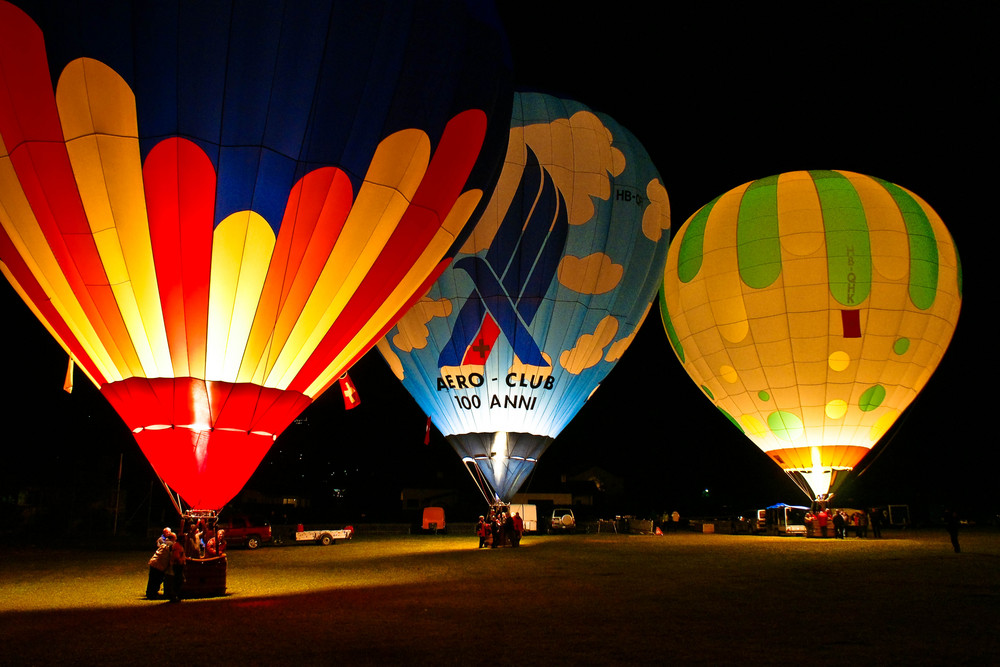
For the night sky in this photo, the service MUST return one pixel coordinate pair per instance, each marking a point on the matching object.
(719, 96)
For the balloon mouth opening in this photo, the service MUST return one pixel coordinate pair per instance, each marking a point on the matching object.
(201, 428)
(818, 483)
(487, 457)
(500, 461)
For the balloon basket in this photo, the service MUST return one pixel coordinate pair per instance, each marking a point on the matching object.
(205, 577)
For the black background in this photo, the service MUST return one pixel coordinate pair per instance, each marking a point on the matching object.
(720, 95)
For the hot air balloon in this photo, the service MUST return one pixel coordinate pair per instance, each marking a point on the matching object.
(543, 298)
(216, 208)
(811, 308)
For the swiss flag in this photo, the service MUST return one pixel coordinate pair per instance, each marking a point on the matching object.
(351, 398)
(481, 346)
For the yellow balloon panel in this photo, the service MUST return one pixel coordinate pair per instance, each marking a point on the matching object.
(811, 308)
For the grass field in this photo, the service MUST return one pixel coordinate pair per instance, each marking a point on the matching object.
(586, 599)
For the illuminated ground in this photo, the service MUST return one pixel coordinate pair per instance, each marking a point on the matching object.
(681, 598)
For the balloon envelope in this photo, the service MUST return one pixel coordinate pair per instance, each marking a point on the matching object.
(811, 308)
(545, 295)
(216, 208)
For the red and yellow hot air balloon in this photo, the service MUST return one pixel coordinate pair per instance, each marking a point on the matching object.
(216, 208)
(811, 308)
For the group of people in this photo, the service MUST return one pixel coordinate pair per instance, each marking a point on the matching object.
(166, 567)
(499, 528)
(841, 523)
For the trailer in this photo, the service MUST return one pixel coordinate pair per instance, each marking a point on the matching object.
(325, 537)
(432, 520)
(529, 516)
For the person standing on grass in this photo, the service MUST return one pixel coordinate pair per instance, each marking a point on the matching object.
(158, 566)
(875, 520)
(177, 561)
(481, 530)
(518, 530)
(951, 521)
(822, 518)
(496, 530)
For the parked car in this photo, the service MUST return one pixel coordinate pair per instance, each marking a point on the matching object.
(241, 530)
(563, 521)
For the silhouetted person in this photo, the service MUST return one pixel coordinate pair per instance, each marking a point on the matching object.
(875, 519)
(158, 566)
(951, 521)
(839, 525)
(482, 530)
(178, 558)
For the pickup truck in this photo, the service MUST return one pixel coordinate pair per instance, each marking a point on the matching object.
(326, 536)
(241, 531)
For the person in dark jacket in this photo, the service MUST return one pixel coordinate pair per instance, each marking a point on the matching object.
(158, 567)
(178, 558)
(951, 522)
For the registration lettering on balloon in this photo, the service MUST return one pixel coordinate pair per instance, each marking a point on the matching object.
(541, 301)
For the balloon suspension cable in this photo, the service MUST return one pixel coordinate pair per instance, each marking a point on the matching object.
(489, 495)
(802, 484)
(176, 502)
(890, 436)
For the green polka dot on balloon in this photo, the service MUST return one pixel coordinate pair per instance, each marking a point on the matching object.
(785, 425)
(872, 398)
(901, 346)
(708, 392)
(763, 395)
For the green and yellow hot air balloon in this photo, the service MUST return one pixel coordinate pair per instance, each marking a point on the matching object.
(811, 308)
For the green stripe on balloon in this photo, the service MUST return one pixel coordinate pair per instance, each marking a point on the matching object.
(675, 342)
(848, 248)
(757, 237)
(690, 254)
(923, 247)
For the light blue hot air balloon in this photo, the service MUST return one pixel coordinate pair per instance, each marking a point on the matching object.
(544, 297)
